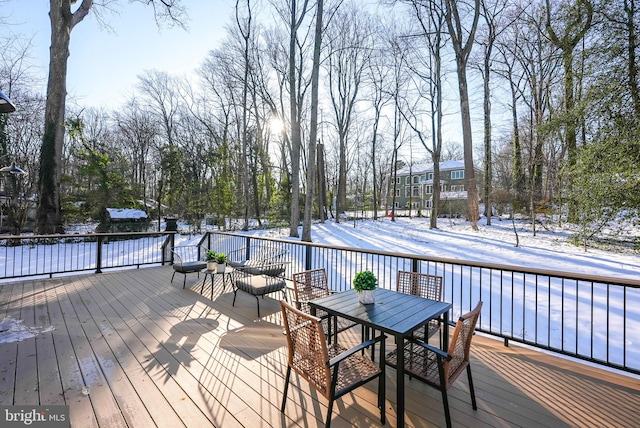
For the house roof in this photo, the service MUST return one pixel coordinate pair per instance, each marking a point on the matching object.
(418, 169)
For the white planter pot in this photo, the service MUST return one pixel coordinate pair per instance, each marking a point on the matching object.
(211, 265)
(367, 297)
(220, 267)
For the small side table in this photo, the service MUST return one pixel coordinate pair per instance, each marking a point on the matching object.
(228, 270)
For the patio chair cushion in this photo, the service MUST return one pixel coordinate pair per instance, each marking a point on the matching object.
(259, 285)
(190, 267)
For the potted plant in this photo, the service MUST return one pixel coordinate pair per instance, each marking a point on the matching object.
(221, 260)
(365, 283)
(212, 259)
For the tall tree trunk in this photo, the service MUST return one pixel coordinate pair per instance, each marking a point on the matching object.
(295, 120)
(49, 217)
(246, 33)
(374, 165)
(467, 138)
(462, 50)
(313, 131)
(487, 132)
(322, 184)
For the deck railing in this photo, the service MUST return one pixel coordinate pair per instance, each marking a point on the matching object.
(588, 317)
(48, 255)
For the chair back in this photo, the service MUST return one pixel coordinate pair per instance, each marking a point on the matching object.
(460, 345)
(188, 254)
(308, 354)
(420, 284)
(309, 285)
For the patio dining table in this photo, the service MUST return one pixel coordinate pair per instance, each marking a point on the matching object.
(393, 313)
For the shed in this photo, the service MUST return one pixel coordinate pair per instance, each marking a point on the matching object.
(124, 220)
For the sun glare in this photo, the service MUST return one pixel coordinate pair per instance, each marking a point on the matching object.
(277, 126)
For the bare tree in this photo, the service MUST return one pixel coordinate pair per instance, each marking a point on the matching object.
(137, 133)
(379, 74)
(245, 30)
(491, 12)
(313, 132)
(296, 97)
(349, 38)
(431, 17)
(507, 70)
(462, 42)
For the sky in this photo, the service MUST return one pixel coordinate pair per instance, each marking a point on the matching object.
(104, 64)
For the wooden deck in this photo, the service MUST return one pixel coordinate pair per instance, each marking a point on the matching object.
(131, 349)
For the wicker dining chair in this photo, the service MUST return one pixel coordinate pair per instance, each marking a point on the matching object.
(332, 370)
(423, 285)
(312, 284)
(438, 368)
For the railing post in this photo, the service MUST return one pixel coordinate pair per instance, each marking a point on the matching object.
(414, 265)
(99, 253)
(172, 245)
(247, 255)
(307, 257)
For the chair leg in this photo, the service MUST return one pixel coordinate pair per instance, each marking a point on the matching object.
(329, 411)
(445, 403)
(332, 395)
(172, 276)
(443, 390)
(286, 388)
(184, 281)
(471, 390)
(258, 302)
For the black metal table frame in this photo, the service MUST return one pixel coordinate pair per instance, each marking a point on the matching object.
(228, 270)
(394, 313)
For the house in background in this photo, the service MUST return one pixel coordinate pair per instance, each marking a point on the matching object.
(414, 188)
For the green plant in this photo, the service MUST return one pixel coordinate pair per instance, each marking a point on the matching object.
(365, 280)
(212, 256)
(221, 258)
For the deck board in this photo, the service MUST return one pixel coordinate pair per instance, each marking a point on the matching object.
(131, 349)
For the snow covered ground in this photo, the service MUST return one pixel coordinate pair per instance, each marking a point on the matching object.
(454, 238)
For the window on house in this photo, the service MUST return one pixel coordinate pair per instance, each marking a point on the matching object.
(457, 175)
(406, 192)
(397, 193)
(430, 176)
(428, 189)
(457, 188)
(416, 179)
(398, 180)
(415, 191)
(407, 180)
